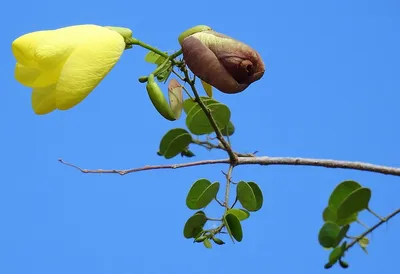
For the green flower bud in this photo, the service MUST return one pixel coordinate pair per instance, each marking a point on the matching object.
(158, 99)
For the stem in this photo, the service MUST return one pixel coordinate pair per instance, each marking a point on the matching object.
(209, 146)
(233, 158)
(219, 202)
(376, 215)
(214, 219)
(234, 203)
(227, 187)
(134, 41)
(362, 224)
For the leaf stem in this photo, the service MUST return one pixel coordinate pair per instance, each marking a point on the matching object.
(375, 214)
(362, 224)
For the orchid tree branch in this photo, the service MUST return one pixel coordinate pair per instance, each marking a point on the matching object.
(264, 160)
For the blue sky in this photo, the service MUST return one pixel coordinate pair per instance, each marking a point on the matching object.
(331, 90)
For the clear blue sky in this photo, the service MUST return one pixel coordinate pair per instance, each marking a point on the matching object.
(331, 90)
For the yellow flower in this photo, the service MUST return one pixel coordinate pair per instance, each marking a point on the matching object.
(63, 66)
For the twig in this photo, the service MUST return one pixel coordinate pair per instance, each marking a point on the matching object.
(384, 220)
(232, 157)
(209, 146)
(265, 160)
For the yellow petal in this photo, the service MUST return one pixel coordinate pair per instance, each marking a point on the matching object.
(46, 51)
(26, 75)
(24, 47)
(35, 78)
(44, 100)
(87, 65)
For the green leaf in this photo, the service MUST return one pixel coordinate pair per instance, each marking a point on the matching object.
(187, 153)
(342, 234)
(218, 241)
(343, 264)
(188, 104)
(335, 255)
(341, 192)
(194, 225)
(198, 123)
(345, 221)
(207, 243)
(174, 142)
(259, 196)
(233, 226)
(207, 88)
(201, 194)
(154, 58)
(357, 201)
(328, 234)
(329, 214)
(241, 214)
(200, 239)
(249, 195)
(228, 130)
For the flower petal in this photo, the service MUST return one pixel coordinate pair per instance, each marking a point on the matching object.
(88, 64)
(34, 77)
(221, 61)
(205, 65)
(43, 53)
(44, 100)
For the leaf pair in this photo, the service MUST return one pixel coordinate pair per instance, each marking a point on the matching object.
(201, 194)
(174, 142)
(346, 201)
(197, 121)
(194, 225)
(249, 195)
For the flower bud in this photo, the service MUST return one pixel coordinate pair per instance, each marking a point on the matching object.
(219, 60)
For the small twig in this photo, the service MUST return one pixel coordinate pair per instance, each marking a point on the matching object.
(362, 224)
(375, 214)
(233, 158)
(384, 220)
(265, 160)
(219, 202)
(214, 219)
(208, 145)
(178, 75)
(234, 203)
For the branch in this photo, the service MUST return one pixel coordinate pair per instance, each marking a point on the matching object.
(265, 160)
(384, 220)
